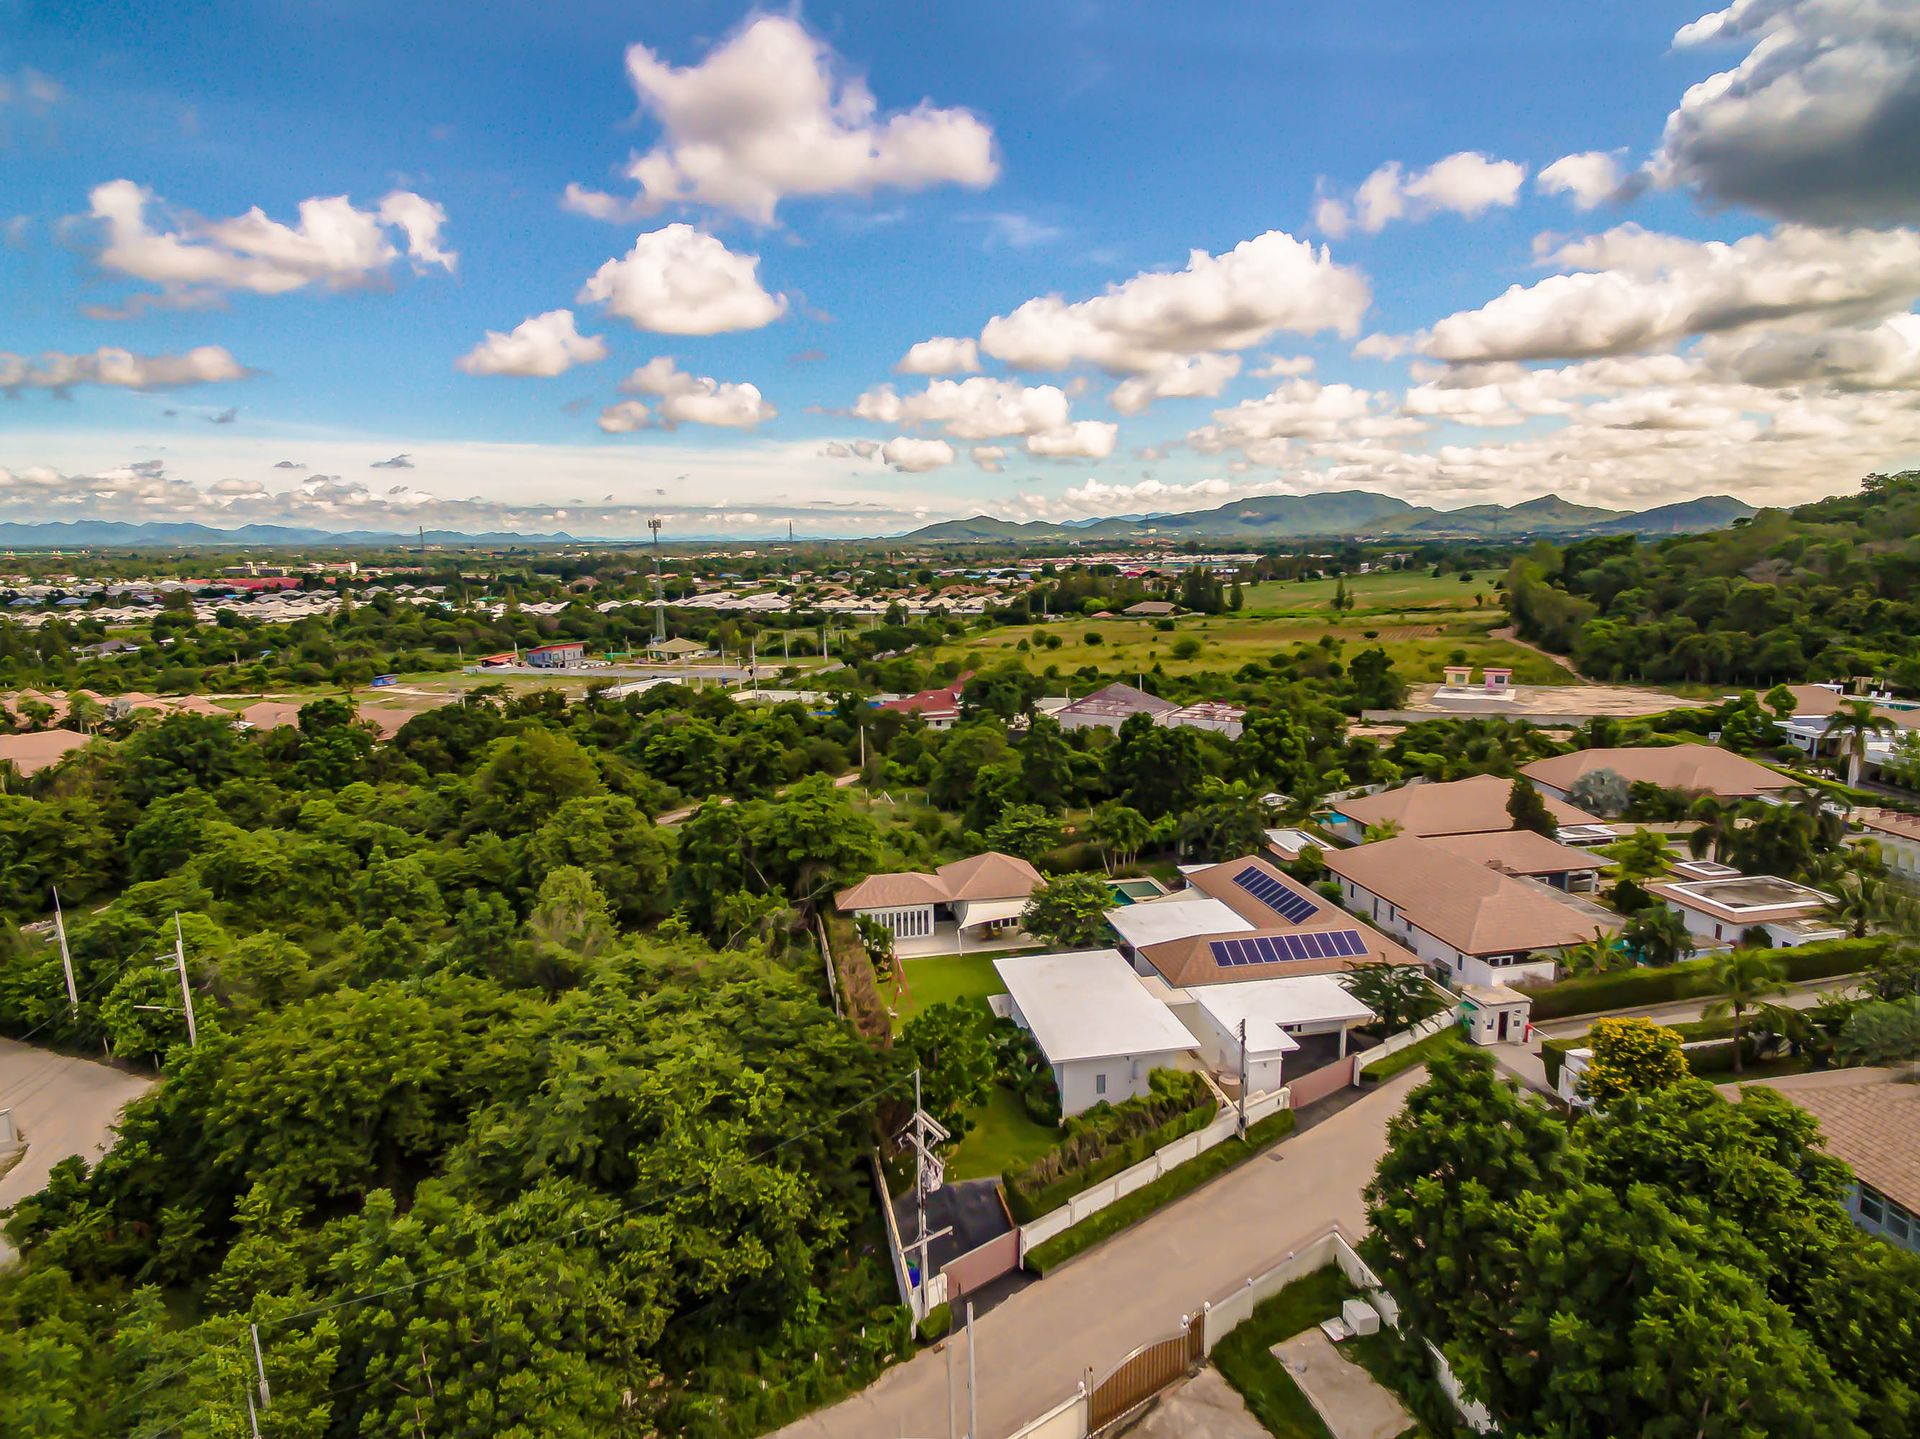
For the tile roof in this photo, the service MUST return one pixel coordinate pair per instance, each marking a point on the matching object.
(1520, 851)
(1869, 1120)
(1889, 821)
(31, 753)
(984, 876)
(1819, 700)
(1680, 766)
(1475, 909)
(1462, 806)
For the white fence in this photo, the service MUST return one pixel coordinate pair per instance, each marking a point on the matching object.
(1225, 1126)
(1393, 1043)
(1219, 1317)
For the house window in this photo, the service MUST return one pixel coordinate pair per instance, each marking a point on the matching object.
(1099, 1084)
(1870, 1205)
(1717, 934)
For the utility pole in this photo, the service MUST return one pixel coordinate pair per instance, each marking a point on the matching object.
(659, 592)
(186, 994)
(66, 955)
(924, 1131)
(1243, 1079)
(973, 1395)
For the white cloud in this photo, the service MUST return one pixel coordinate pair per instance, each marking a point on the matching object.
(1590, 179)
(334, 246)
(1816, 123)
(914, 455)
(1885, 356)
(54, 370)
(1635, 290)
(1285, 367)
(770, 113)
(1301, 409)
(980, 408)
(1081, 440)
(1184, 378)
(1095, 497)
(696, 400)
(682, 281)
(990, 458)
(1160, 320)
(851, 449)
(544, 346)
(625, 418)
(1466, 183)
(942, 355)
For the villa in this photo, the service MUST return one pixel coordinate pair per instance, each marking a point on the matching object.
(977, 901)
(1696, 768)
(1722, 910)
(1463, 806)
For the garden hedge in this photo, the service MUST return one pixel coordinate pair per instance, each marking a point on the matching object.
(1635, 988)
(1105, 1140)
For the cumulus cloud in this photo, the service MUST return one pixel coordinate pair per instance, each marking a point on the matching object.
(625, 418)
(396, 462)
(991, 458)
(1636, 290)
(915, 455)
(1160, 320)
(1080, 440)
(1096, 497)
(1285, 367)
(122, 369)
(942, 355)
(980, 408)
(1816, 123)
(696, 400)
(1885, 356)
(1264, 429)
(1590, 179)
(543, 346)
(335, 246)
(1466, 183)
(850, 449)
(770, 113)
(682, 281)
(1179, 379)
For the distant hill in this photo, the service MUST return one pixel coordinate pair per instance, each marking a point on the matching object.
(1687, 517)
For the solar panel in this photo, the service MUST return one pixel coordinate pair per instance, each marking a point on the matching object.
(1290, 905)
(1279, 948)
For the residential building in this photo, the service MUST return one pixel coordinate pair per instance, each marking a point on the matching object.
(1898, 836)
(1287, 845)
(1494, 1013)
(562, 655)
(1697, 768)
(1100, 1030)
(1531, 854)
(1278, 1014)
(31, 753)
(1814, 707)
(1215, 715)
(269, 714)
(1149, 610)
(1462, 806)
(1722, 910)
(676, 649)
(940, 707)
(1473, 924)
(977, 901)
(1112, 706)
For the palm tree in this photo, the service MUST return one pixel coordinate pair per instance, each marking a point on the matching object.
(1659, 936)
(1859, 901)
(1743, 978)
(1374, 833)
(1852, 728)
(1591, 956)
(1811, 805)
(1716, 821)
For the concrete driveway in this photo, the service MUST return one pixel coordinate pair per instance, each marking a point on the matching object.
(1036, 1346)
(62, 1107)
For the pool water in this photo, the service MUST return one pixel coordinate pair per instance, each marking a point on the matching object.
(1130, 891)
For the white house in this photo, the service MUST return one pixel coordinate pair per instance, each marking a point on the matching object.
(1277, 1013)
(1473, 924)
(1722, 910)
(1099, 1028)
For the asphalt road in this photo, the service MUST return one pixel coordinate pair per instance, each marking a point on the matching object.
(1037, 1345)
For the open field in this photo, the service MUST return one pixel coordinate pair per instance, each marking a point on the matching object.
(1385, 590)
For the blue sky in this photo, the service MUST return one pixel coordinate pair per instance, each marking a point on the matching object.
(952, 167)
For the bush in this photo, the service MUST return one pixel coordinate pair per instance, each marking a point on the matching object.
(936, 1325)
(1634, 988)
(859, 989)
(1420, 1052)
(1108, 1138)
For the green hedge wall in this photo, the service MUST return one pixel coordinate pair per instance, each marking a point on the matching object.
(1035, 1189)
(1633, 988)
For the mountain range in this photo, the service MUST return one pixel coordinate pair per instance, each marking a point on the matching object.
(1358, 514)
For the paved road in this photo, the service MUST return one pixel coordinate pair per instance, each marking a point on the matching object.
(62, 1107)
(1038, 1344)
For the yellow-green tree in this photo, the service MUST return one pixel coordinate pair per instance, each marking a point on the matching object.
(1631, 1056)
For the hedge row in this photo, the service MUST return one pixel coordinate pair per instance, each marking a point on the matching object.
(1419, 1052)
(1106, 1139)
(1177, 1182)
(1634, 988)
(859, 988)
(1715, 1059)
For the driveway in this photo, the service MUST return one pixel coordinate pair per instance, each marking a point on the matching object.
(62, 1107)
(1036, 1346)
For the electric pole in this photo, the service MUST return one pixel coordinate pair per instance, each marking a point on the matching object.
(186, 994)
(923, 1132)
(66, 955)
(1243, 1079)
(659, 592)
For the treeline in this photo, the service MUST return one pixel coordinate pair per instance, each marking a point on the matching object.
(1822, 592)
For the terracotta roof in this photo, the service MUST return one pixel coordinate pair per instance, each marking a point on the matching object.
(1680, 766)
(1869, 1120)
(1520, 851)
(31, 753)
(984, 876)
(1462, 806)
(1475, 909)
(1889, 821)
(271, 714)
(943, 700)
(1819, 700)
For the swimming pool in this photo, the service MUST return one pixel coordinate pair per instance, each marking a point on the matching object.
(1131, 891)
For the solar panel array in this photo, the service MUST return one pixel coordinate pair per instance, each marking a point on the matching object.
(1277, 948)
(1290, 905)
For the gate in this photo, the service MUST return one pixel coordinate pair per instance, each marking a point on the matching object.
(1143, 1374)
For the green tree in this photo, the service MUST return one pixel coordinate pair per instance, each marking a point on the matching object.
(1400, 995)
(1743, 978)
(1600, 791)
(952, 1042)
(1527, 808)
(1120, 831)
(1223, 820)
(1851, 730)
(1070, 912)
(1026, 830)
(1631, 1056)
(1657, 935)
(1883, 1032)
(611, 838)
(526, 777)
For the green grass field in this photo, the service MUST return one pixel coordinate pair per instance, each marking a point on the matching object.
(1384, 591)
(1002, 1137)
(940, 978)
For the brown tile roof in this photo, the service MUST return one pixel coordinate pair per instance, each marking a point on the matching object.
(891, 891)
(31, 753)
(1680, 766)
(1475, 909)
(1889, 821)
(1819, 700)
(1183, 962)
(984, 876)
(1520, 851)
(271, 714)
(1870, 1121)
(1462, 806)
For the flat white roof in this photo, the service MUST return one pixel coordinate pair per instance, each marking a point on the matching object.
(1269, 1004)
(1178, 916)
(1089, 1004)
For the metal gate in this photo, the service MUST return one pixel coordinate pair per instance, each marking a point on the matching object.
(1143, 1374)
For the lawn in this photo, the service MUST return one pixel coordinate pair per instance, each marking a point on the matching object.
(1001, 1138)
(1242, 1356)
(1386, 590)
(940, 978)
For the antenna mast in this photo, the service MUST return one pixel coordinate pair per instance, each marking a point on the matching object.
(659, 593)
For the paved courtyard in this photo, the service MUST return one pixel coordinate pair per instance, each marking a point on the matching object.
(1347, 1398)
(1205, 1404)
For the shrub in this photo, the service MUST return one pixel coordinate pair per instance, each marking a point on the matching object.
(936, 1325)
(1108, 1138)
(1636, 987)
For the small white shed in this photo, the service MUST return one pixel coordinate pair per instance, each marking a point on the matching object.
(1494, 1013)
